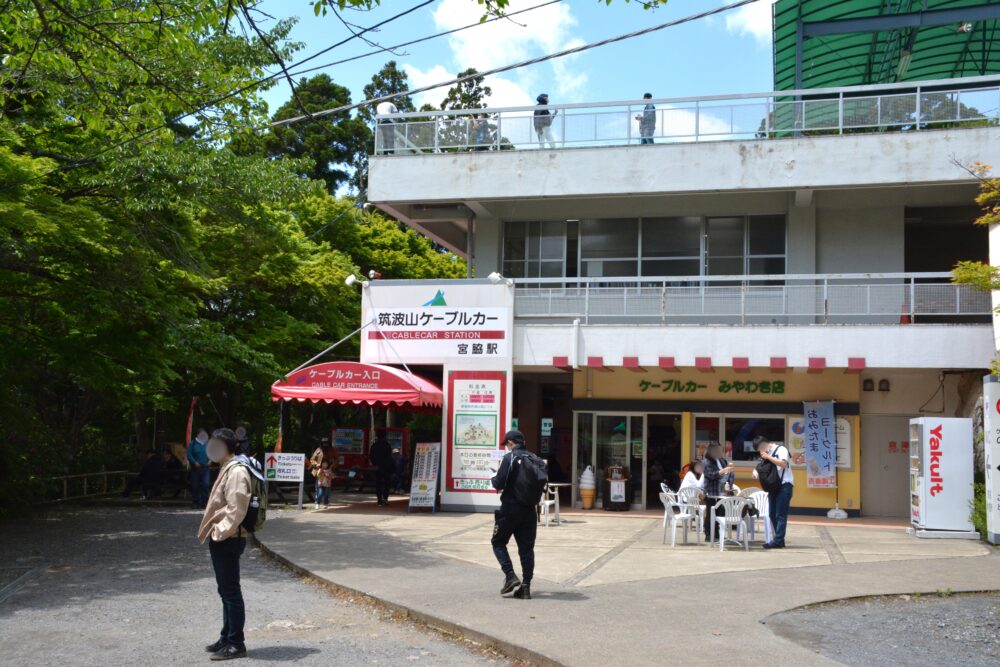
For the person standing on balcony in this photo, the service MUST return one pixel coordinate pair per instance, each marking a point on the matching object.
(647, 121)
(543, 121)
(387, 133)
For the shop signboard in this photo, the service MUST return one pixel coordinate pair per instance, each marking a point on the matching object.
(477, 413)
(797, 443)
(991, 445)
(820, 439)
(436, 323)
(424, 478)
(281, 467)
(546, 426)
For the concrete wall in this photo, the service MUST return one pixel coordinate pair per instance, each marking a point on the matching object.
(861, 160)
(859, 240)
(893, 346)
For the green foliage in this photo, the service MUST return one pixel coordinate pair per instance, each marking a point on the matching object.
(470, 94)
(978, 515)
(143, 260)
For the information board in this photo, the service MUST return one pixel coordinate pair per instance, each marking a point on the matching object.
(424, 478)
(349, 440)
(476, 414)
(281, 467)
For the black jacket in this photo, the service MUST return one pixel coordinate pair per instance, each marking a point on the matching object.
(381, 456)
(501, 481)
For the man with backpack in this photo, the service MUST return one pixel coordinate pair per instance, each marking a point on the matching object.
(774, 472)
(521, 479)
(235, 507)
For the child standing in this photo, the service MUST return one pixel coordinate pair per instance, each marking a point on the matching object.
(324, 480)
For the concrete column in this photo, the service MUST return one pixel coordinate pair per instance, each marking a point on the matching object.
(488, 246)
(801, 250)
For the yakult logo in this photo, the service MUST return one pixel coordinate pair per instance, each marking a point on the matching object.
(935, 468)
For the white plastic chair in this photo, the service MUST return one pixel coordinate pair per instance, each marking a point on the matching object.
(748, 492)
(550, 500)
(690, 498)
(732, 518)
(674, 517)
(762, 501)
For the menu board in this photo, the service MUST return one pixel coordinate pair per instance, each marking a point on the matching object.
(426, 465)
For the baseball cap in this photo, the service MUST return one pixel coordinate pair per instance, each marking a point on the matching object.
(514, 436)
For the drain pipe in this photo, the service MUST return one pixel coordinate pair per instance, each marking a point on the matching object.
(574, 345)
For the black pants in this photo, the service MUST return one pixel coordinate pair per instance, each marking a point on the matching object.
(521, 522)
(382, 479)
(226, 562)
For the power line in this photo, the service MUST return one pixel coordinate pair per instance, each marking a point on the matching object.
(518, 65)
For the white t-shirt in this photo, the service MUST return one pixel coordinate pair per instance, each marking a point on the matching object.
(781, 452)
(691, 480)
(386, 108)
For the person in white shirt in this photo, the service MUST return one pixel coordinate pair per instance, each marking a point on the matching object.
(694, 476)
(386, 131)
(778, 501)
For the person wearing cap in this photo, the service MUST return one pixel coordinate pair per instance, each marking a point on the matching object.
(543, 121)
(221, 526)
(516, 519)
(647, 121)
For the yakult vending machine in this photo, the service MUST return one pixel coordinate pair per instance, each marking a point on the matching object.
(941, 477)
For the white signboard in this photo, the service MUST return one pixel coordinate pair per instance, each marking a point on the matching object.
(426, 466)
(546, 426)
(284, 467)
(437, 323)
(991, 444)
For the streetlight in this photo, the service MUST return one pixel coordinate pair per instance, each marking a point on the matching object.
(498, 279)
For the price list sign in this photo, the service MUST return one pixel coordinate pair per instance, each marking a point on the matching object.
(426, 466)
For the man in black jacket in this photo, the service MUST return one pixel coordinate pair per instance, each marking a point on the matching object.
(381, 458)
(515, 517)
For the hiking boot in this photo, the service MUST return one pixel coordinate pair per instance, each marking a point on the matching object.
(524, 592)
(217, 646)
(510, 583)
(229, 652)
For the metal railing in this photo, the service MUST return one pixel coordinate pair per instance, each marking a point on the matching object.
(972, 101)
(860, 298)
(83, 485)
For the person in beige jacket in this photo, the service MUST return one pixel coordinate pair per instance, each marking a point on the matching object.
(226, 509)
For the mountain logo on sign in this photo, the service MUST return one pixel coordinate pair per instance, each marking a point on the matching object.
(438, 300)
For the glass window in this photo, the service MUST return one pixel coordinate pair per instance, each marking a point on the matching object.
(552, 240)
(609, 238)
(671, 267)
(513, 269)
(766, 265)
(740, 432)
(725, 266)
(671, 237)
(766, 234)
(706, 431)
(514, 236)
(725, 237)
(584, 441)
(607, 269)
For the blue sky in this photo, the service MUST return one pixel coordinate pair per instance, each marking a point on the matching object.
(728, 53)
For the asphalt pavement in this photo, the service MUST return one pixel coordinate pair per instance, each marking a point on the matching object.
(128, 586)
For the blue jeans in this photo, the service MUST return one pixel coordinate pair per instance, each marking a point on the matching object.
(323, 495)
(226, 563)
(778, 502)
(201, 482)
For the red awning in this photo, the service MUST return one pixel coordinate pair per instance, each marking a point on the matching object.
(356, 383)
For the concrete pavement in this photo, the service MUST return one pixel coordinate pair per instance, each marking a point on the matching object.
(607, 591)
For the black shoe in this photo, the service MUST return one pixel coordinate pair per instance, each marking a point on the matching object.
(510, 583)
(774, 545)
(217, 646)
(524, 592)
(229, 652)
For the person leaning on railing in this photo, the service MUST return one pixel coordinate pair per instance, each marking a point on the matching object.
(543, 121)
(386, 131)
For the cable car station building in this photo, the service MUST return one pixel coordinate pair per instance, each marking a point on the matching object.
(767, 249)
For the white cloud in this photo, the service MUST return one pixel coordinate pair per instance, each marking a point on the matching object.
(504, 42)
(752, 20)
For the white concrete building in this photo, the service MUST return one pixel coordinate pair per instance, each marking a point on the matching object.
(799, 241)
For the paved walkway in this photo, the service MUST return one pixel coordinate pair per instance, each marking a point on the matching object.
(608, 591)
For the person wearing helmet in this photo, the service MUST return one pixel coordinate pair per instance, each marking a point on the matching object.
(514, 518)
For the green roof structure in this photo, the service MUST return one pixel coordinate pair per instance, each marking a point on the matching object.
(833, 43)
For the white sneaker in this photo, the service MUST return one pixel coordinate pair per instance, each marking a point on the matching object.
(317, 505)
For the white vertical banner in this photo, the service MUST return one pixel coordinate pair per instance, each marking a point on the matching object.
(991, 450)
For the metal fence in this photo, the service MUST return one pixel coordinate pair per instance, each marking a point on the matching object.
(973, 101)
(890, 298)
(75, 487)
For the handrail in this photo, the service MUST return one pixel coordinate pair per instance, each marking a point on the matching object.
(965, 83)
(786, 277)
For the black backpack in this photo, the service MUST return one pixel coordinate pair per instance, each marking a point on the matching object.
(530, 477)
(770, 476)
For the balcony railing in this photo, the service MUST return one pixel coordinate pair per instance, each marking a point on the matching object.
(973, 101)
(861, 298)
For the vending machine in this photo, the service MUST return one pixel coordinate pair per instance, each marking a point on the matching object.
(941, 477)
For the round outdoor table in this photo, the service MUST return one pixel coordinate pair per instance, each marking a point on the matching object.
(714, 500)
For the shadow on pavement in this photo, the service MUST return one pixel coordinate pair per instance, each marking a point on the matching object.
(281, 653)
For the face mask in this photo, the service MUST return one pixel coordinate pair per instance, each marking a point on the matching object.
(216, 451)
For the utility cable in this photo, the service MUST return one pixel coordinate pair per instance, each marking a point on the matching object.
(518, 65)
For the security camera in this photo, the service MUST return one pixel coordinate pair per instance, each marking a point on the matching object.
(498, 279)
(350, 280)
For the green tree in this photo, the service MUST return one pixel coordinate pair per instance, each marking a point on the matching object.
(470, 94)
